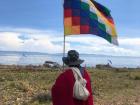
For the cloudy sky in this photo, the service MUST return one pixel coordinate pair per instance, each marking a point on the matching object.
(37, 26)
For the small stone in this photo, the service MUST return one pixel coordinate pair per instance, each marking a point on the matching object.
(18, 99)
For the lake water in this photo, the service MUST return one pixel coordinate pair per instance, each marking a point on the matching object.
(90, 60)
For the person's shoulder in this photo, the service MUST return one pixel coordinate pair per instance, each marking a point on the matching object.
(86, 72)
(67, 71)
(85, 69)
(64, 76)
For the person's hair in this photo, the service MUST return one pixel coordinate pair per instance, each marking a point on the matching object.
(78, 66)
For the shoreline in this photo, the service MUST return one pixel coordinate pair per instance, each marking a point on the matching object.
(31, 67)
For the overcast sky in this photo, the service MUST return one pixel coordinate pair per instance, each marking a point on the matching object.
(37, 25)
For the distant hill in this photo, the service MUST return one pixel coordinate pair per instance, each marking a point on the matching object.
(21, 53)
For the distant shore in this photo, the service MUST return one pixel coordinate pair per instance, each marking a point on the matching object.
(91, 60)
(60, 67)
(25, 67)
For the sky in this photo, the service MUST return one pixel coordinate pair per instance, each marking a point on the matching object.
(37, 26)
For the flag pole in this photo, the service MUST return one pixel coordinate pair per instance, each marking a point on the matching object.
(64, 40)
(64, 46)
(64, 50)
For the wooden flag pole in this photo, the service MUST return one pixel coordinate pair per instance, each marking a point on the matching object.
(64, 37)
(64, 50)
(64, 46)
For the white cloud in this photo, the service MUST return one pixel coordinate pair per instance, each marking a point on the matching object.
(100, 46)
(39, 41)
(10, 41)
(41, 45)
(52, 42)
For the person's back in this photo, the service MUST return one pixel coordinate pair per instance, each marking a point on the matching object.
(62, 90)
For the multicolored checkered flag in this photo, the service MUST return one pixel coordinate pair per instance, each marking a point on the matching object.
(88, 17)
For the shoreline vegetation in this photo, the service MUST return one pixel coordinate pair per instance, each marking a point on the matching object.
(31, 85)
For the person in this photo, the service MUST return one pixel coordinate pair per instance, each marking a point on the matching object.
(62, 90)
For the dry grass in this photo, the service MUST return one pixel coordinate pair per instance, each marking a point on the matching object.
(110, 87)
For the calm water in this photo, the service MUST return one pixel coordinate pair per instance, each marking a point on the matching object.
(90, 60)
